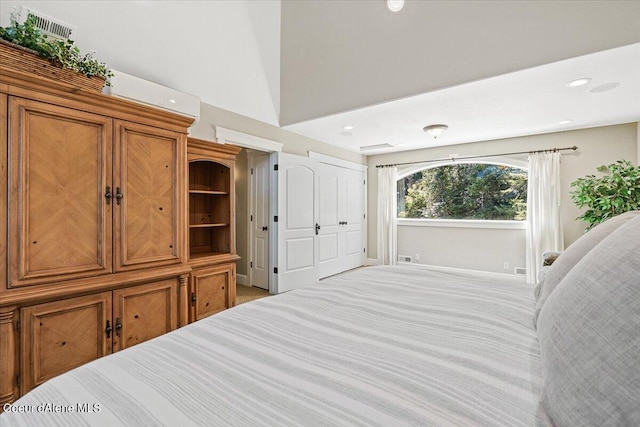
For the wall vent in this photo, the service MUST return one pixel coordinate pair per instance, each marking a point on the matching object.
(404, 258)
(520, 270)
(49, 26)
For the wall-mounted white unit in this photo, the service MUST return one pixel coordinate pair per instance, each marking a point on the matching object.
(139, 90)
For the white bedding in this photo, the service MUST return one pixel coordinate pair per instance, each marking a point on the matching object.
(384, 346)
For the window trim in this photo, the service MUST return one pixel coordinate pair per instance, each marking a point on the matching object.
(462, 223)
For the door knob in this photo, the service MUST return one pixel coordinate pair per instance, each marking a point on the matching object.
(317, 228)
(264, 228)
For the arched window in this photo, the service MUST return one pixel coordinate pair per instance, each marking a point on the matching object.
(464, 191)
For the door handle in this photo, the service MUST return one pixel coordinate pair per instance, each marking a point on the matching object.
(317, 228)
(118, 326)
(108, 329)
(119, 195)
(264, 228)
(108, 195)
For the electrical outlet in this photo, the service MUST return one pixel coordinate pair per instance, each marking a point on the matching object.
(506, 265)
(417, 257)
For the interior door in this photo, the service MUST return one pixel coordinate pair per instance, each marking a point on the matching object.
(259, 221)
(331, 201)
(353, 218)
(298, 256)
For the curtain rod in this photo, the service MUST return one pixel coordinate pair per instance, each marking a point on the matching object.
(453, 159)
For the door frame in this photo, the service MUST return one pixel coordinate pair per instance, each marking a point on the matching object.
(252, 142)
(251, 154)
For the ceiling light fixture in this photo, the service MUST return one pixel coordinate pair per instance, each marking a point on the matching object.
(347, 127)
(435, 130)
(564, 122)
(578, 82)
(395, 5)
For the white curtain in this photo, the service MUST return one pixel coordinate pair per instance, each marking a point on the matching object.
(544, 226)
(386, 227)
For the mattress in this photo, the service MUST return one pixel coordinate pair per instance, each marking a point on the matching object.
(379, 346)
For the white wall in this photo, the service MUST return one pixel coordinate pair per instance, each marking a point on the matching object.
(597, 146)
(481, 249)
(225, 52)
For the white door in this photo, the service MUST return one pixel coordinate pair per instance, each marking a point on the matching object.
(331, 202)
(353, 222)
(259, 221)
(341, 204)
(298, 226)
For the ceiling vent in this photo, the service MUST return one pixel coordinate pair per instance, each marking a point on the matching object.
(375, 147)
(49, 26)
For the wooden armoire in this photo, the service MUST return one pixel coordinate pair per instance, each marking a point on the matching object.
(98, 238)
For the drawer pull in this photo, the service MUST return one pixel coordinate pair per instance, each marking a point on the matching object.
(108, 329)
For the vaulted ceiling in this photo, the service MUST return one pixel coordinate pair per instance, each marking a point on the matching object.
(489, 69)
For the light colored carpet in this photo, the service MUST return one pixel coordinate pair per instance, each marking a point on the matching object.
(249, 293)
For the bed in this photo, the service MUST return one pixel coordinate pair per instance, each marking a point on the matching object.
(382, 346)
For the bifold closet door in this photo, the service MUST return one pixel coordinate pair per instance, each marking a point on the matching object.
(341, 206)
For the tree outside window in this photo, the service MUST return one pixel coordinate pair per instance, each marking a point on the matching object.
(464, 191)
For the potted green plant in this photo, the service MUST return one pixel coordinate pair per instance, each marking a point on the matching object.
(615, 192)
(30, 45)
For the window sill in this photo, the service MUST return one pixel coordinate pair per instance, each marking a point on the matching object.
(462, 223)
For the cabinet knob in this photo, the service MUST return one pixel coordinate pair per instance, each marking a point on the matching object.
(108, 329)
(193, 298)
(119, 195)
(118, 326)
(108, 195)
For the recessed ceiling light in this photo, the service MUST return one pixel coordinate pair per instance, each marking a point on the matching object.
(395, 5)
(347, 127)
(173, 101)
(578, 82)
(564, 122)
(605, 87)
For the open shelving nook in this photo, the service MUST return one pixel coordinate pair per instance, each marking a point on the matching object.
(209, 209)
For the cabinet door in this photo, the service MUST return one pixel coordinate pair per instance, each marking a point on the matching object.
(148, 197)
(62, 335)
(144, 312)
(59, 172)
(212, 290)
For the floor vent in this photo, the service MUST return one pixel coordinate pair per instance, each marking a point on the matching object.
(49, 26)
(520, 270)
(404, 258)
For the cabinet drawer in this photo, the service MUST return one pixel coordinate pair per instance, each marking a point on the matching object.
(62, 335)
(144, 312)
(213, 290)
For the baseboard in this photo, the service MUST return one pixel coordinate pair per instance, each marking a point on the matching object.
(371, 261)
(241, 279)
